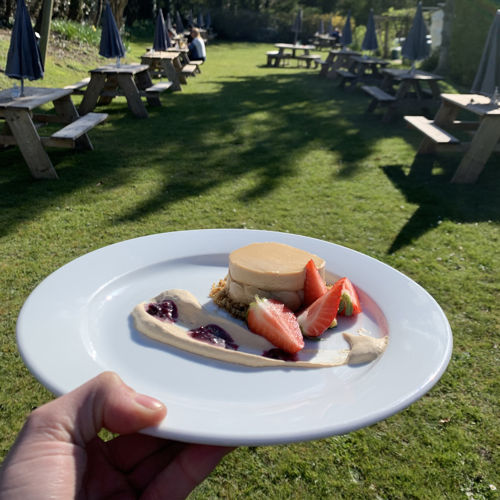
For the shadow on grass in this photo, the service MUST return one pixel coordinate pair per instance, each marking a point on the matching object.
(196, 141)
(428, 185)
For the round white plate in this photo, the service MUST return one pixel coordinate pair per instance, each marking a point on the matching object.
(77, 323)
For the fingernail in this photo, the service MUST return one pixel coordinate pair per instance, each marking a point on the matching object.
(148, 402)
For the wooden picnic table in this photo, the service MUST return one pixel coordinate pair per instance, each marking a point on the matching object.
(165, 63)
(22, 122)
(485, 132)
(336, 59)
(325, 40)
(402, 89)
(367, 68)
(132, 81)
(290, 51)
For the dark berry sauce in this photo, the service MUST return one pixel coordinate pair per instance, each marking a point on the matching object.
(165, 310)
(276, 353)
(213, 334)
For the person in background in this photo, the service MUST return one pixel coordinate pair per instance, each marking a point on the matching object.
(58, 453)
(197, 51)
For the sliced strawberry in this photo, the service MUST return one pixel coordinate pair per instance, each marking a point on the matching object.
(314, 285)
(320, 315)
(349, 300)
(275, 322)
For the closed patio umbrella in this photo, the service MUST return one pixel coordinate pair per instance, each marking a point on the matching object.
(168, 22)
(416, 47)
(23, 58)
(488, 73)
(370, 40)
(346, 31)
(201, 23)
(111, 43)
(321, 29)
(297, 25)
(161, 40)
(178, 22)
(208, 20)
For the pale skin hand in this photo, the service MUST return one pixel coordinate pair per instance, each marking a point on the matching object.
(58, 454)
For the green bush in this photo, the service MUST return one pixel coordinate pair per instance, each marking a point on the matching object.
(84, 33)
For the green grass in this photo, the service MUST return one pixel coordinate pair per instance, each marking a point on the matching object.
(245, 146)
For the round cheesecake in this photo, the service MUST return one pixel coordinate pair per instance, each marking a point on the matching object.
(272, 270)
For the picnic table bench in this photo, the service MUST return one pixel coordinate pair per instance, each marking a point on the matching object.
(404, 90)
(485, 132)
(24, 120)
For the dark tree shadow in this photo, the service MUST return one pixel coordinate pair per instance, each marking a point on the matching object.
(427, 184)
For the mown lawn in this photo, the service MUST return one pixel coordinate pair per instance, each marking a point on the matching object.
(246, 146)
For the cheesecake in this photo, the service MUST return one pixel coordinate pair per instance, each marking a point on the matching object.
(268, 269)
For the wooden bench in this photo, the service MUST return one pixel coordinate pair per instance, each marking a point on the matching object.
(378, 95)
(156, 89)
(346, 77)
(432, 132)
(272, 57)
(197, 63)
(77, 87)
(68, 135)
(189, 69)
(310, 58)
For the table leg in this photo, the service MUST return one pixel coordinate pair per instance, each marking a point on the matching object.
(143, 81)
(178, 68)
(127, 84)
(66, 110)
(30, 144)
(482, 145)
(92, 93)
(168, 68)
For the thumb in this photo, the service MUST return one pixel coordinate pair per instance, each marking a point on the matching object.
(103, 402)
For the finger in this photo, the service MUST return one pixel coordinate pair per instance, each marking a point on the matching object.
(193, 464)
(105, 401)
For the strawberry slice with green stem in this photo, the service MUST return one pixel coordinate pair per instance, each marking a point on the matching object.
(349, 300)
(275, 322)
(321, 314)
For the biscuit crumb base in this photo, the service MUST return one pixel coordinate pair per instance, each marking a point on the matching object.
(219, 295)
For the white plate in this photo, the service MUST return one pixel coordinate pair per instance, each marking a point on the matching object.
(77, 323)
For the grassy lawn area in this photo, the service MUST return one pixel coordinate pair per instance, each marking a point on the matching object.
(246, 146)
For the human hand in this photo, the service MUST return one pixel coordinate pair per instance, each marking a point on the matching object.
(58, 454)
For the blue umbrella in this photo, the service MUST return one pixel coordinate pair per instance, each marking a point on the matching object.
(208, 20)
(416, 47)
(178, 22)
(169, 22)
(346, 31)
(190, 19)
(370, 40)
(161, 40)
(487, 78)
(23, 59)
(200, 20)
(297, 25)
(111, 43)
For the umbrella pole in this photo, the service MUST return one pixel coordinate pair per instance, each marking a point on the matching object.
(117, 62)
(22, 87)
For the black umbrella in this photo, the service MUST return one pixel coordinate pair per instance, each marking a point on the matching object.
(208, 20)
(201, 23)
(297, 25)
(161, 40)
(416, 47)
(23, 59)
(111, 43)
(370, 40)
(487, 78)
(346, 31)
(178, 22)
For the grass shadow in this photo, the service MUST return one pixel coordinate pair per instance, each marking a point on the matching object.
(427, 184)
